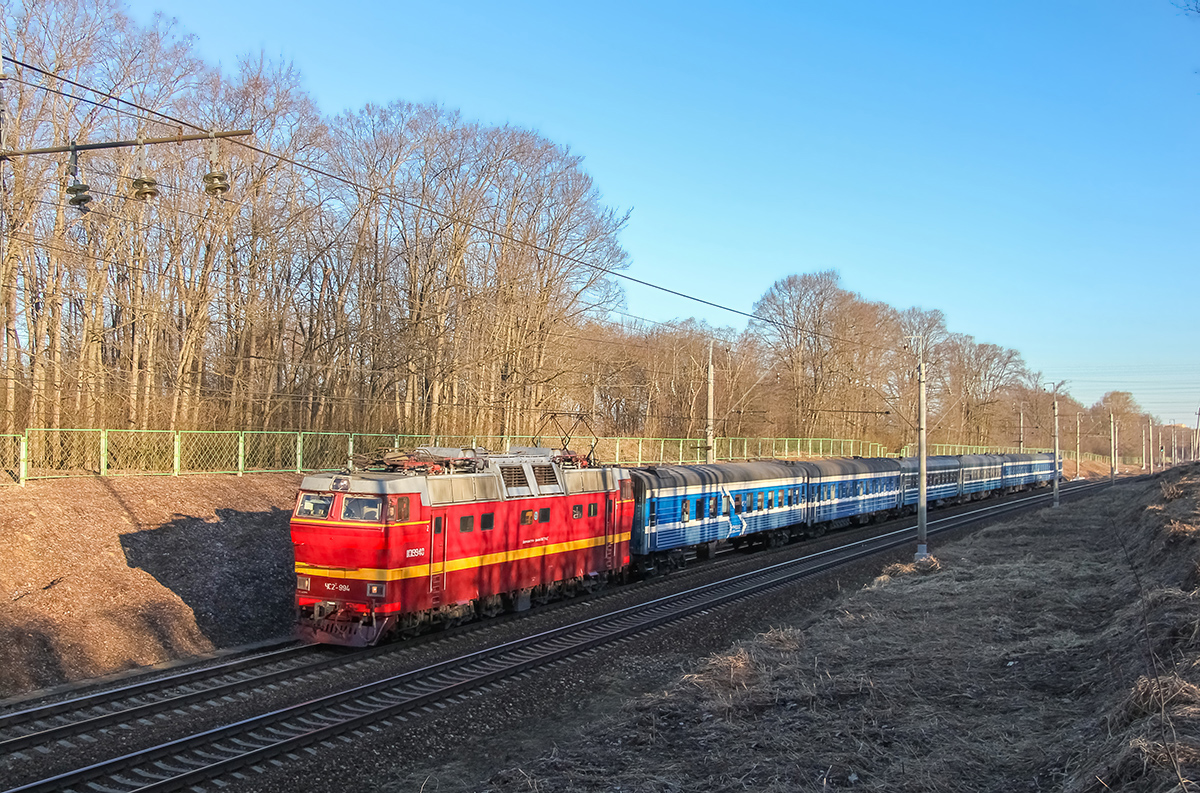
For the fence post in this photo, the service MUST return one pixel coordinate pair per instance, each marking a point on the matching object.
(103, 452)
(350, 451)
(23, 472)
(177, 454)
(299, 452)
(241, 453)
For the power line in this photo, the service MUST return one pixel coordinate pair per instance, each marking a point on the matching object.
(467, 223)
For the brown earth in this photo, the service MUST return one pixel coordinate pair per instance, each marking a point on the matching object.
(104, 575)
(1060, 651)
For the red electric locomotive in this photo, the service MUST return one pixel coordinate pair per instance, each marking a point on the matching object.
(441, 535)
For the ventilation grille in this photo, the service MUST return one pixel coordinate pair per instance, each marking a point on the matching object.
(514, 476)
(544, 475)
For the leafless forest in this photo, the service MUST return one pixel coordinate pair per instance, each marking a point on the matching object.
(400, 269)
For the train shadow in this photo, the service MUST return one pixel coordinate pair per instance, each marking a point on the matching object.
(236, 573)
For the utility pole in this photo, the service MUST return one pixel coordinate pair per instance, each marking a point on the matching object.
(1021, 437)
(922, 468)
(1112, 448)
(1150, 442)
(1056, 449)
(1078, 456)
(1143, 450)
(710, 451)
(1174, 455)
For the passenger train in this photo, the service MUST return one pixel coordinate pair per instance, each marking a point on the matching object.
(443, 535)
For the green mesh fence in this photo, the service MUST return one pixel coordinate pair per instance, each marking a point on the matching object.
(54, 453)
(324, 451)
(73, 452)
(140, 452)
(10, 459)
(209, 452)
(266, 452)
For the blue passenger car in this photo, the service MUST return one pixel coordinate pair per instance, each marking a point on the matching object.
(693, 506)
(981, 473)
(849, 488)
(941, 478)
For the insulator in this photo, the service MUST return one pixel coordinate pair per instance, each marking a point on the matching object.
(79, 195)
(144, 187)
(216, 183)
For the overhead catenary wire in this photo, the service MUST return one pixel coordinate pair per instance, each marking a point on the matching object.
(464, 222)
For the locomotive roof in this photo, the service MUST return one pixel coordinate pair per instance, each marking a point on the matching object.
(364, 482)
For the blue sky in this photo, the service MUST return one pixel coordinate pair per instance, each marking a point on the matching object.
(1032, 169)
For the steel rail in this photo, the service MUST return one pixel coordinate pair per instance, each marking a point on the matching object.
(212, 753)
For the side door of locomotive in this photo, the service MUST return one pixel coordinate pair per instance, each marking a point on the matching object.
(437, 555)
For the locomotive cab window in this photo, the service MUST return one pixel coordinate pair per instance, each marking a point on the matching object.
(398, 509)
(592, 510)
(362, 508)
(437, 525)
(526, 517)
(486, 521)
(544, 515)
(466, 523)
(313, 505)
(577, 511)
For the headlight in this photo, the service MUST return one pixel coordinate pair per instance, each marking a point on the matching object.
(303, 582)
(375, 590)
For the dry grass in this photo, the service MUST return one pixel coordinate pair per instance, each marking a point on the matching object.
(1055, 653)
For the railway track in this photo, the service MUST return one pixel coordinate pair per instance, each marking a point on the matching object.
(273, 738)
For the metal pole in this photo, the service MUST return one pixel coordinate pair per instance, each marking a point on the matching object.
(1143, 449)
(1056, 451)
(1112, 448)
(922, 485)
(1150, 442)
(1078, 456)
(1021, 437)
(123, 144)
(710, 450)
(1174, 448)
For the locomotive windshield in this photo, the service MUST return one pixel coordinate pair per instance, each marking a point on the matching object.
(313, 505)
(363, 508)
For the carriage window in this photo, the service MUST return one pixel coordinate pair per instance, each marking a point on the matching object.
(313, 505)
(592, 510)
(466, 523)
(486, 521)
(577, 511)
(526, 517)
(700, 503)
(653, 513)
(686, 511)
(544, 515)
(771, 500)
(728, 503)
(364, 508)
(714, 507)
(737, 504)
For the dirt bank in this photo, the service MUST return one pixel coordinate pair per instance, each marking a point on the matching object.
(1058, 652)
(103, 575)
